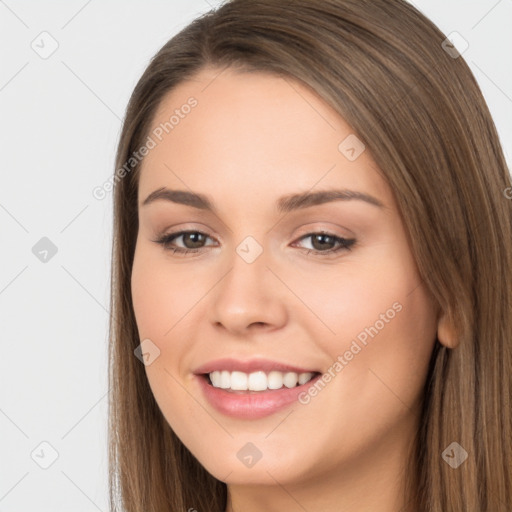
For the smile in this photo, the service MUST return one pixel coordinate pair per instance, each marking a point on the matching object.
(257, 381)
(249, 404)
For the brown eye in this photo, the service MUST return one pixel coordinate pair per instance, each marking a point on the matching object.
(327, 243)
(193, 241)
(323, 241)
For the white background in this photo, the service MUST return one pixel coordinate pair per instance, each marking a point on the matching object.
(59, 124)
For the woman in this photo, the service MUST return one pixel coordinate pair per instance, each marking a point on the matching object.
(312, 261)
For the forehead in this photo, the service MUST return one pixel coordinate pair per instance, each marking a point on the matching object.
(253, 134)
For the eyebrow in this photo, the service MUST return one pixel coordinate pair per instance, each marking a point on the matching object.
(285, 204)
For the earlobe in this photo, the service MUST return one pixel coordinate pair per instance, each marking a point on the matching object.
(446, 332)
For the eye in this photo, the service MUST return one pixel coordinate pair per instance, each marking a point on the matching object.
(322, 242)
(191, 239)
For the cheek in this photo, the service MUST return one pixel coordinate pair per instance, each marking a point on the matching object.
(385, 339)
(378, 362)
(160, 302)
(347, 300)
(382, 325)
(161, 298)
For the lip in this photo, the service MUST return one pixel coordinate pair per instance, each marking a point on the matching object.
(251, 405)
(253, 365)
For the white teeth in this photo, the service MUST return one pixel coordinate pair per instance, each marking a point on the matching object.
(275, 380)
(225, 379)
(257, 381)
(238, 381)
(290, 379)
(304, 377)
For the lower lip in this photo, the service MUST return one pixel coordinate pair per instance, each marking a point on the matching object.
(251, 404)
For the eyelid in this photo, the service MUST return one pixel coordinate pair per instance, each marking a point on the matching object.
(184, 228)
(327, 227)
(342, 244)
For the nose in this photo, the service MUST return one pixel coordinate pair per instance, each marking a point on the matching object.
(249, 297)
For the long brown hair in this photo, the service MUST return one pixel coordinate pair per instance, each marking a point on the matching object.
(418, 109)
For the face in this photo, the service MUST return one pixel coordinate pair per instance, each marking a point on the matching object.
(326, 286)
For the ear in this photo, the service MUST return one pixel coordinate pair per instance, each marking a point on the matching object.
(446, 332)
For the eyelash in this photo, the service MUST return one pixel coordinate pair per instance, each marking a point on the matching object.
(344, 243)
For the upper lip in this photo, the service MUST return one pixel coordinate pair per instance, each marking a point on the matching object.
(249, 366)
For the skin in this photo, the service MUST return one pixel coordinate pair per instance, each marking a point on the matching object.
(251, 139)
